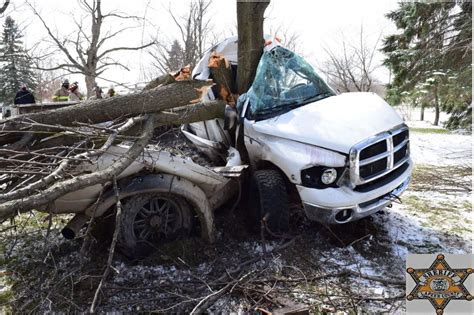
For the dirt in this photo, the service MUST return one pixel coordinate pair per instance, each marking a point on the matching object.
(326, 269)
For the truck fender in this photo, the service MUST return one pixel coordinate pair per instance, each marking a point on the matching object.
(161, 183)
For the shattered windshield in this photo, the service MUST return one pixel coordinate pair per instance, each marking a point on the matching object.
(284, 81)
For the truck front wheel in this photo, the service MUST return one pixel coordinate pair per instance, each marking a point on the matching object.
(268, 195)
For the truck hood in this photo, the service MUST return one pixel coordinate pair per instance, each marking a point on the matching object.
(336, 123)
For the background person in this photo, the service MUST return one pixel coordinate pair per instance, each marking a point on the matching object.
(98, 93)
(62, 94)
(74, 94)
(24, 96)
(111, 92)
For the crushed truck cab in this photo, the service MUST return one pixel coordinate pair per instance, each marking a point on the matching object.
(346, 154)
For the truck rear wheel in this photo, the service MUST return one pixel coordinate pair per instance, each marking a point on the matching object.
(268, 195)
(151, 219)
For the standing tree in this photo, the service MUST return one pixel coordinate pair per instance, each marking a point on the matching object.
(194, 29)
(175, 58)
(433, 51)
(15, 66)
(351, 67)
(250, 36)
(85, 53)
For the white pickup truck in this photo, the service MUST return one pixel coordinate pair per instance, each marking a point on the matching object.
(346, 154)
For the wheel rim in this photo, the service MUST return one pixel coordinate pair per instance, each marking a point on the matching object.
(159, 218)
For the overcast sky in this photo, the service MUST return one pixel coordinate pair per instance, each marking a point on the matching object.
(318, 24)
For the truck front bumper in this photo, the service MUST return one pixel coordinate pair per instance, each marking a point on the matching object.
(342, 205)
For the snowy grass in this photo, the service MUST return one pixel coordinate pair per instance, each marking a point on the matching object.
(430, 130)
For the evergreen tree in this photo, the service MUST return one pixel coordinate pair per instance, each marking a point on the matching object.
(15, 66)
(175, 59)
(431, 58)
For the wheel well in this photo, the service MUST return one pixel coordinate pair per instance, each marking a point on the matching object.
(157, 182)
(267, 165)
(290, 187)
(126, 180)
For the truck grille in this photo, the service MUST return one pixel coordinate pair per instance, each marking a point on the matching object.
(378, 156)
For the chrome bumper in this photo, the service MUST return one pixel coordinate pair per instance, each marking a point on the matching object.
(353, 213)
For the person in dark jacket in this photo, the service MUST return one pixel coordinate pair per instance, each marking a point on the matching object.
(23, 96)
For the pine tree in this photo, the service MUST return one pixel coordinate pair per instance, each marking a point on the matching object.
(15, 66)
(431, 57)
(175, 59)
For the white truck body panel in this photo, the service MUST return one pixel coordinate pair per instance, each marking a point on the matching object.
(154, 161)
(335, 123)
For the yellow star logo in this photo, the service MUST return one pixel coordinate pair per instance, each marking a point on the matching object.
(439, 284)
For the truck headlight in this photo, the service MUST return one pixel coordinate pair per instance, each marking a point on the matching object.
(329, 176)
(321, 176)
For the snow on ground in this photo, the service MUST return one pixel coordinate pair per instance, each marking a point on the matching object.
(411, 115)
(440, 149)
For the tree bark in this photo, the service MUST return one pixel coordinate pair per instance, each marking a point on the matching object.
(188, 114)
(184, 115)
(90, 84)
(163, 80)
(250, 40)
(221, 73)
(422, 112)
(162, 98)
(436, 119)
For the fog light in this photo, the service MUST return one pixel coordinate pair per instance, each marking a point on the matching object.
(343, 215)
(329, 176)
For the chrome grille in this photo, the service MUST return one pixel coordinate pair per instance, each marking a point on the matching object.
(377, 156)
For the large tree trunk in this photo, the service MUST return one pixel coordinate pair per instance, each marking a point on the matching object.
(250, 40)
(90, 84)
(221, 73)
(422, 112)
(436, 119)
(165, 97)
(183, 115)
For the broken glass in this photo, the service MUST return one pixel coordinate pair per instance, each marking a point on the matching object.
(284, 81)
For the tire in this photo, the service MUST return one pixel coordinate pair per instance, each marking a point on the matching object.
(268, 195)
(151, 219)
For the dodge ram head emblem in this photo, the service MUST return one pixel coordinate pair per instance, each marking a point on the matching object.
(439, 284)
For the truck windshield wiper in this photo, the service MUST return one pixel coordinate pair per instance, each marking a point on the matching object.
(289, 106)
(318, 96)
(274, 109)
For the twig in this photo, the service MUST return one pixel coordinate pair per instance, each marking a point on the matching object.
(118, 219)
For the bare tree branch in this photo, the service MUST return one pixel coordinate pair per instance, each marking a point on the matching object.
(82, 49)
(61, 188)
(124, 48)
(56, 40)
(4, 7)
(350, 67)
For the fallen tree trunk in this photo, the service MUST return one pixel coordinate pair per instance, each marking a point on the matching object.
(151, 101)
(222, 75)
(177, 116)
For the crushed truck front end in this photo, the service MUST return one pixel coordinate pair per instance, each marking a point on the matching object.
(377, 173)
(365, 179)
